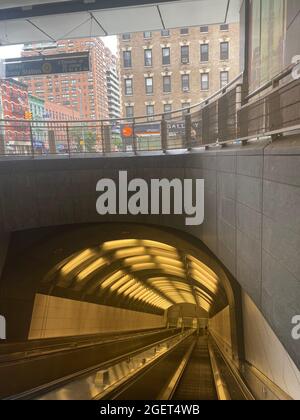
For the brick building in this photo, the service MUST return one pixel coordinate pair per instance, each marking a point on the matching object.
(113, 85)
(173, 69)
(15, 103)
(86, 92)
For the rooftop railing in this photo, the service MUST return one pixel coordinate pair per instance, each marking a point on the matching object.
(228, 116)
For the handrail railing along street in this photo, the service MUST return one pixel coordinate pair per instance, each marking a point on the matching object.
(225, 117)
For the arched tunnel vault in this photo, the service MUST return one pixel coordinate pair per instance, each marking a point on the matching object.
(139, 274)
(136, 267)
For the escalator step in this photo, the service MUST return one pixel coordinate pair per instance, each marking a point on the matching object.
(197, 382)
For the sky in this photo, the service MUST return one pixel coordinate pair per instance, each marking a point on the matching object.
(13, 51)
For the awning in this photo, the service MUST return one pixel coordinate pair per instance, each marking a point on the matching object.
(44, 21)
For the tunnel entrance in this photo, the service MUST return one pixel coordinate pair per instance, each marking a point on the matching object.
(126, 271)
(137, 284)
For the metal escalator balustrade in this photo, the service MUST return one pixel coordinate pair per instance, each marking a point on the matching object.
(37, 369)
(101, 381)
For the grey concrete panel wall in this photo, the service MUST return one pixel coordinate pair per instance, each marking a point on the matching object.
(293, 30)
(252, 211)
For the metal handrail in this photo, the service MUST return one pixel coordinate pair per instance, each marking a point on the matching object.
(271, 83)
(219, 119)
(142, 117)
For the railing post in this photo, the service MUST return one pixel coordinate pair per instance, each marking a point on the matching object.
(31, 138)
(238, 105)
(68, 139)
(102, 139)
(164, 134)
(106, 140)
(188, 131)
(273, 106)
(2, 140)
(134, 143)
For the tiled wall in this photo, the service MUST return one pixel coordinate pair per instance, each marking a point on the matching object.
(57, 317)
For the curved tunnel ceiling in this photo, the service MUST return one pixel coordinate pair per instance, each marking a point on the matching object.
(140, 274)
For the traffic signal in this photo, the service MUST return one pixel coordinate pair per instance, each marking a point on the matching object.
(28, 115)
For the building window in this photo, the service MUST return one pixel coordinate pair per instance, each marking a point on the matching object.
(167, 84)
(166, 56)
(205, 81)
(204, 29)
(165, 32)
(149, 85)
(224, 78)
(128, 87)
(224, 51)
(147, 35)
(184, 31)
(127, 59)
(126, 37)
(150, 111)
(204, 52)
(167, 111)
(129, 112)
(185, 82)
(224, 27)
(185, 54)
(148, 58)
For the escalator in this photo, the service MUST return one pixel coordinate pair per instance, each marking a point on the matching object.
(197, 381)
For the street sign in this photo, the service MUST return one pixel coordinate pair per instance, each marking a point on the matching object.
(127, 131)
(47, 64)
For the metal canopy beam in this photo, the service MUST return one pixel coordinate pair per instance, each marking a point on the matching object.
(29, 9)
(49, 22)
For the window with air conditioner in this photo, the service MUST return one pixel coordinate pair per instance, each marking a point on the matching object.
(185, 54)
(224, 79)
(185, 82)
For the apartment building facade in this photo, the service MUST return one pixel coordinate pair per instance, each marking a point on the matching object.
(167, 70)
(84, 92)
(15, 103)
(113, 85)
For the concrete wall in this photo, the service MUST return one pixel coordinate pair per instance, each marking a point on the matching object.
(252, 203)
(57, 317)
(266, 354)
(220, 328)
(293, 30)
(269, 370)
(4, 235)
